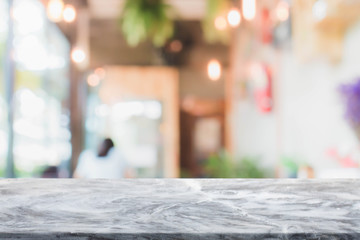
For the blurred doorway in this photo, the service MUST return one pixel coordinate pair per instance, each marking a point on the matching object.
(138, 108)
(202, 133)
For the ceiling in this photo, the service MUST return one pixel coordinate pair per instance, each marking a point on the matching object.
(109, 9)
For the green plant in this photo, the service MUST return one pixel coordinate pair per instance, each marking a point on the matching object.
(185, 173)
(290, 164)
(146, 19)
(222, 166)
(2, 171)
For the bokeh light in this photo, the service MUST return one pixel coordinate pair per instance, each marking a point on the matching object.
(93, 80)
(69, 13)
(234, 17)
(176, 46)
(55, 10)
(214, 69)
(282, 11)
(220, 23)
(249, 9)
(78, 55)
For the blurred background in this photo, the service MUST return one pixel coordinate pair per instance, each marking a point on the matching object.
(184, 88)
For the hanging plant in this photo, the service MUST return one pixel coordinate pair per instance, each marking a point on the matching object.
(146, 19)
(216, 11)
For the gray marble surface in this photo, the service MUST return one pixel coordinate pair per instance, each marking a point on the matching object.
(179, 209)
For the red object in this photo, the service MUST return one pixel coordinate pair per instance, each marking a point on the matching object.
(344, 161)
(263, 93)
(266, 31)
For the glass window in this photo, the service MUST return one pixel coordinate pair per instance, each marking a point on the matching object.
(135, 127)
(3, 105)
(41, 119)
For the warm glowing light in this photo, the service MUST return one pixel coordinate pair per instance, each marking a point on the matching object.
(319, 10)
(100, 72)
(78, 55)
(234, 17)
(55, 10)
(93, 80)
(282, 11)
(69, 13)
(220, 23)
(249, 9)
(214, 69)
(176, 46)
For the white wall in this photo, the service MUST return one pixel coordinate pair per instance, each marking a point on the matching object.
(309, 114)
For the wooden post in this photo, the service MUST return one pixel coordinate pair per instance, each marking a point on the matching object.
(80, 37)
(229, 93)
(76, 117)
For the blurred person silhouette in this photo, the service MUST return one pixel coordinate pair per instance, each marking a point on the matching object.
(107, 163)
(50, 172)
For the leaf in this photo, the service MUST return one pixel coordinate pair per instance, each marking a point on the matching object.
(146, 19)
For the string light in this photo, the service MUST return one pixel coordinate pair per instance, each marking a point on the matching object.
(234, 17)
(214, 69)
(220, 23)
(249, 9)
(176, 46)
(69, 13)
(282, 11)
(93, 80)
(55, 10)
(78, 55)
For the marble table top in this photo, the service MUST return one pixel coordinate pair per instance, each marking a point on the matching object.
(179, 209)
